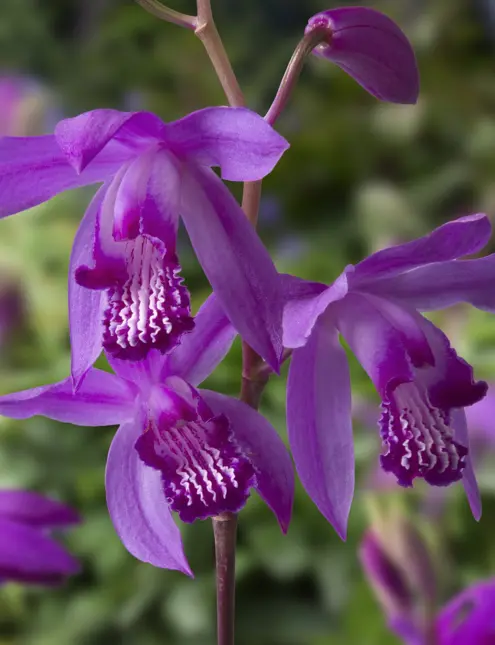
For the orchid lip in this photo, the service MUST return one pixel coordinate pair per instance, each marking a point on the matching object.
(204, 471)
(419, 439)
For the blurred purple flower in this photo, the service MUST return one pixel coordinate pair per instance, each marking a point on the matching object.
(125, 292)
(372, 49)
(27, 552)
(178, 448)
(424, 385)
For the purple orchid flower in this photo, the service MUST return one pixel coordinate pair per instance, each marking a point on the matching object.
(125, 292)
(424, 385)
(27, 553)
(372, 49)
(178, 448)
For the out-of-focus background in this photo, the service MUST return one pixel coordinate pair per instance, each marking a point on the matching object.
(359, 175)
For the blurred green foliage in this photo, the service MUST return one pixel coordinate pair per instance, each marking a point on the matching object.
(359, 175)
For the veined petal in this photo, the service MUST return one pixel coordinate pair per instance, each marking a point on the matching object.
(266, 451)
(453, 240)
(34, 169)
(235, 262)
(442, 284)
(27, 555)
(319, 423)
(83, 137)
(372, 49)
(305, 302)
(137, 505)
(469, 477)
(103, 399)
(35, 509)
(85, 305)
(238, 140)
(205, 347)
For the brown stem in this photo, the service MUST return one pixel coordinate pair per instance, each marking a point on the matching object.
(294, 69)
(207, 32)
(164, 13)
(224, 530)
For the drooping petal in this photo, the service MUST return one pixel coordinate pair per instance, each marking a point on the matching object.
(27, 555)
(235, 262)
(34, 169)
(83, 137)
(137, 505)
(102, 399)
(205, 347)
(266, 451)
(304, 303)
(238, 140)
(319, 423)
(440, 285)
(469, 477)
(372, 49)
(453, 240)
(85, 306)
(34, 509)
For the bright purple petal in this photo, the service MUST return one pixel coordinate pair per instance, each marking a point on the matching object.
(235, 262)
(453, 240)
(319, 423)
(442, 284)
(137, 505)
(468, 618)
(27, 555)
(83, 137)
(35, 509)
(238, 140)
(85, 305)
(205, 347)
(372, 49)
(305, 302)
(469, 478)
(33, 169)
(103, 399)
(264, 448)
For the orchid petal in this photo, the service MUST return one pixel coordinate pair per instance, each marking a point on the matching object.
(377, 343)
(102, 400)
(442, 284)
(305, 302)
(319, 423)
(137, 505)
(27, 555)
(83, 137)
(238, 140)
(35, 509)
(235, 262)
(33, 169)
(458, 422)
(372, 49)
(205, 347)
(453, 240)
(148, 197)
(260, 442)
(85, 305)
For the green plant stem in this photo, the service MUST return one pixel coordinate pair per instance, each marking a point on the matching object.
(164, 13)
